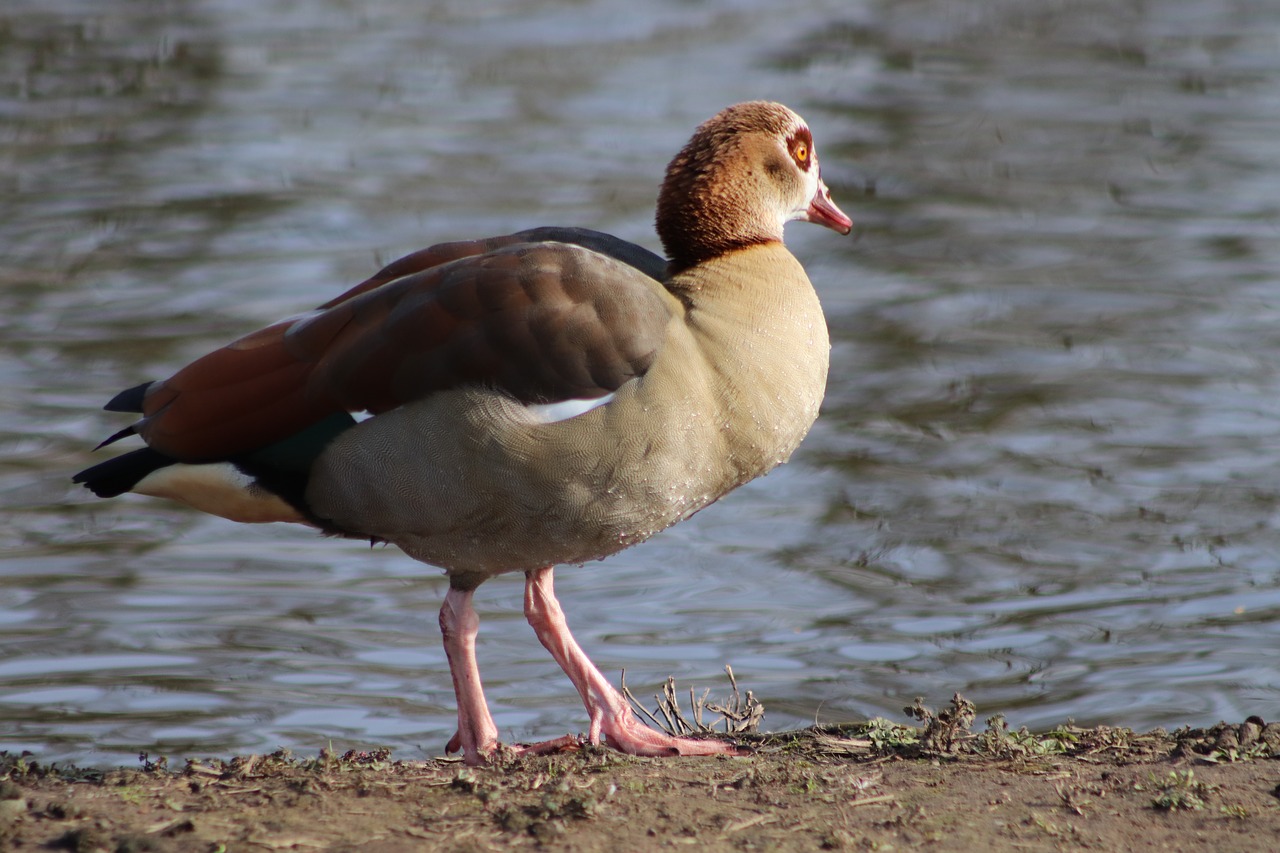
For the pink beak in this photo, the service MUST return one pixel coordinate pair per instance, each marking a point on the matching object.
(823, 211)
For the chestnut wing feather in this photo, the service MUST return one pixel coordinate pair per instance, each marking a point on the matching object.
(543, 322)
(442, 253)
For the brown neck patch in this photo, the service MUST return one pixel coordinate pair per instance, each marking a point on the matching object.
(718, 195)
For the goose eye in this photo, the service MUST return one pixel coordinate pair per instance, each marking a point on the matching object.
(801, 153)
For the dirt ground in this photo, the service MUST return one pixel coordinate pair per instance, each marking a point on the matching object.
(870, 786)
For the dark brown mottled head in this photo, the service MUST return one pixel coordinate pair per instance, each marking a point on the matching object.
(745, 173)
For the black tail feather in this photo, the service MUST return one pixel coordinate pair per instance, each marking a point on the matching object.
(124, 433)
(119, 475)
(128, 400)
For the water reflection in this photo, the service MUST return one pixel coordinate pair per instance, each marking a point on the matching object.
(1045, 474)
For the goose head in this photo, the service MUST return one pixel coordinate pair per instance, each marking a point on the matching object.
(744, 174)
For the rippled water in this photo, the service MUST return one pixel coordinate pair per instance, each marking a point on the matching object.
(1047, 473)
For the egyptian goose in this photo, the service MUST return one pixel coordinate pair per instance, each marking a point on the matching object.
(507, 404)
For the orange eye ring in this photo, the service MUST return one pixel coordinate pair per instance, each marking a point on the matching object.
(801, 153)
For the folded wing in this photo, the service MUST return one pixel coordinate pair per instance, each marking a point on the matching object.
(547, 315)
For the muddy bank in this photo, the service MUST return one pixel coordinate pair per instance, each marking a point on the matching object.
(871, 786)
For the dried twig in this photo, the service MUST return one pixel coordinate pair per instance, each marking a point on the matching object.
(737, 716)
(635, 703)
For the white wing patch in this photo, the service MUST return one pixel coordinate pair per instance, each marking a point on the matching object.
(550, 413)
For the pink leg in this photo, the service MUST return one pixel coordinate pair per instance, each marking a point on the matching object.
(609, 711)
(477, 736)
